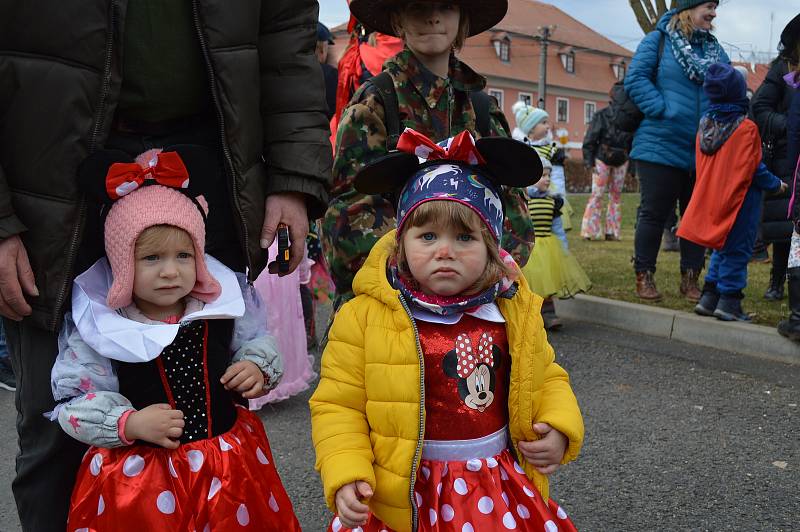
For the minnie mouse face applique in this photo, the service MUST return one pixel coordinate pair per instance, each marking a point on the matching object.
(475, 370)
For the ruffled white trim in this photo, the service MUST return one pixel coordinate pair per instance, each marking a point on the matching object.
(117, 337)
(487, 312)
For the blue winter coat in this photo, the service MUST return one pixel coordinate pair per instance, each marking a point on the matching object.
(672, 105)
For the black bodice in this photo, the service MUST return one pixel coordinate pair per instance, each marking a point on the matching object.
(186, 375)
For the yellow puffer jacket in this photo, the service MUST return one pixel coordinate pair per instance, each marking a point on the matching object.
(368, 416)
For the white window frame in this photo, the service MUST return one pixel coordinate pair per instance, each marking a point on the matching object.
(505, 46)
(497, 93)
(565, 100)
(620, 69)
(568, 59)
(586, 106)
(529, 95)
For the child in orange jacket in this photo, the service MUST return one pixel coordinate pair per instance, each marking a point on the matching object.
(725, 208)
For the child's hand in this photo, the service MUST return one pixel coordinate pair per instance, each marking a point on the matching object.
(244, 377)
(783, 187)
(158, 424)
(547, 452)
(350, 505)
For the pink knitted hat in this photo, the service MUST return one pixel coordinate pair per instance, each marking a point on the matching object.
(146, 206)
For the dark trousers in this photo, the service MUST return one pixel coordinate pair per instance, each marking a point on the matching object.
(660, 187)
(48, 458)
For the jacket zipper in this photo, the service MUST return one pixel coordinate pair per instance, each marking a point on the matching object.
(98, 122)
(421, 431)
(221, 121)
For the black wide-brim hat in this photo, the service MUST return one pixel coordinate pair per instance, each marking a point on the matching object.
(376, 14)
(791, 34)
(508, 162)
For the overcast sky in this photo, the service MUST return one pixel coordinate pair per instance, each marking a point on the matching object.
(740, 25)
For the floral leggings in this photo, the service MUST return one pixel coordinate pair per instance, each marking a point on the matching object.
(794, 251)
(604, 176)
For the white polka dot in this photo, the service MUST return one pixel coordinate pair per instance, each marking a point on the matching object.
(523, 511)
(196, 459)
(261, 456)
(133, 465)
(460, 486)
(518, 469)
(418, 498)
(101, 505)
(505, 499)
(509, 522)
(444, 470)
(215, 486)
(225, 446)
(81, 530)
(166, 502)
(474, 464)
(503, 474)
(491, 462)
(171, 468)
(561, 513)
(237, 439)
(432, 516)
(207, 528)
(439, 488)
(250, 429)
(358, 529)
(485, 505)
(242, 515)
(426, 472)
(273, 504)
(528, 491)
(336, 525)
(467, 528)
(96, 464)
(447, 513)
(550, 527)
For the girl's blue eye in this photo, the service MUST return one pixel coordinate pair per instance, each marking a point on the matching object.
(151, 257)
(184, 255)
(465, 237)
(428, 236)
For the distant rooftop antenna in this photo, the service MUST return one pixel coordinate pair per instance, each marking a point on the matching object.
(771, 24)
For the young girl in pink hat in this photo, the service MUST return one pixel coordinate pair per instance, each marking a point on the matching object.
(162, 346)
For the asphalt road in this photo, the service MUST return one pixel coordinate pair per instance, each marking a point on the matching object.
(678, 438)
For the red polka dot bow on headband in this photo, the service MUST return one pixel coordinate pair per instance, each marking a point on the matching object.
(165, 168)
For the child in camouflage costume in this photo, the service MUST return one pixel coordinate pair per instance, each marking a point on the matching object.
(432, 100)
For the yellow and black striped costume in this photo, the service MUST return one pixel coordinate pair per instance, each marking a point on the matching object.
(542, 211)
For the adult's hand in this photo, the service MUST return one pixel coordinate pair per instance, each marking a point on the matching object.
(286, 208)
(16, 276)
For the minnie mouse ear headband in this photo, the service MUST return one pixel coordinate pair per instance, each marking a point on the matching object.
(159, 187)
(377, 14)
(459, 169)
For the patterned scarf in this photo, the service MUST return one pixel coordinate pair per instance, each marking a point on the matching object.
(450, 305)
(695, 66)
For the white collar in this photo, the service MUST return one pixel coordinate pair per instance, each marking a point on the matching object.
(117, 337)
(487, 312)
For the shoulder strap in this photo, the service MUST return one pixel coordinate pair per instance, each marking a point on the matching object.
(481, 103)
(391, 110)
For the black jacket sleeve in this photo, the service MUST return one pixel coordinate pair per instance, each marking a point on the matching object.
(10, 225)
(296, 133)
(592, 139)
(767, 102)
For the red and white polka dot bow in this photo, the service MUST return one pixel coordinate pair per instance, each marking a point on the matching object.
(165, 168)
(459, 148)
(468, 358)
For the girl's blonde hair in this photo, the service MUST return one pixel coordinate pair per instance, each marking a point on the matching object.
(155, 236)
(452, 214)
(682, 21)
(461, 35)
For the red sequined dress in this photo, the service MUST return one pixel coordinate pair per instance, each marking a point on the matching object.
(468, 480)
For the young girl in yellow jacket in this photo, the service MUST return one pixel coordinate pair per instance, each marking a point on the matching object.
(441, 360)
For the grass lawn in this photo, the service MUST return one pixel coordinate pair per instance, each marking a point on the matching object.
(609, 266)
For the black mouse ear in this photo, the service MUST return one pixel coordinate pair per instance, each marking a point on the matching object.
(386, 174)
(510, 162)
(202, 165)
(93, 171)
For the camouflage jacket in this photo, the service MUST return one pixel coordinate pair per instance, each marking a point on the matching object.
(434, 106)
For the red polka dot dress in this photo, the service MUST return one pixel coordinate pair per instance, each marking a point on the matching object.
(221, 477)
(468, 480)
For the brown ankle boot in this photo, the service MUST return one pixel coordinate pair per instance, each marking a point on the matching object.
(689, 287)
(646, 286)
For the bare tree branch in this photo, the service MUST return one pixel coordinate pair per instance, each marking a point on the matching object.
(648, 12)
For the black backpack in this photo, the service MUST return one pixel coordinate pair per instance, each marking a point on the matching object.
(626, 115)
(385, 85)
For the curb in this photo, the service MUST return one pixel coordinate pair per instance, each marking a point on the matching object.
(737, 337)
